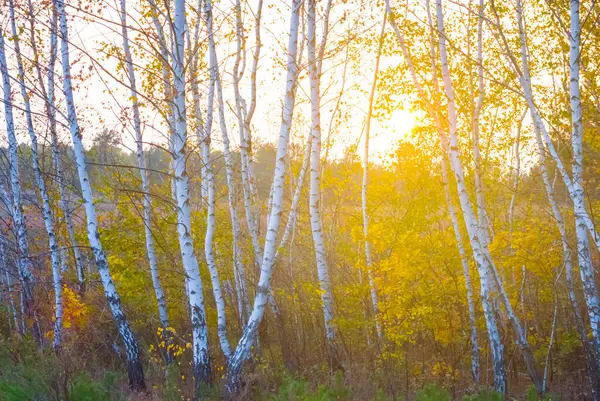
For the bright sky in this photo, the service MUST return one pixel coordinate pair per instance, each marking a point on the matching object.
(98, 105)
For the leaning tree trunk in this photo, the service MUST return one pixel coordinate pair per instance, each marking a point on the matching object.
(47, 213)
(249, 335)
(50, 107)
(146, 202)
(169, 114)
(482, 216)
(465, 265)
(583, 222)
(469, 217)
(589, 351)
(480, 239)
(201, 359)
(132, 352)
(26, 277)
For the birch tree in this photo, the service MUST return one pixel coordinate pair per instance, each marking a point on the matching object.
(244, 120)
(584, 223)
(468, 215)
(201, 359)
(26, 278)
(315, 187)
(132, 352)
(47, 212)
(481, 240)
(146, 200)
(50, 107)
(237, 252)
(250, 332)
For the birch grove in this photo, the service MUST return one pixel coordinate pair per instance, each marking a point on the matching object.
(299, 199)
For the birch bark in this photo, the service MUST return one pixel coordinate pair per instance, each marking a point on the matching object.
(237, 253)
(47, 213)
(480, 239)
(248, 338)
(583, 222)
(586, 269)
(244, 120)
(50, 107)
(468, 215)
(201, 359)
(315, 187)
(26, 278)
(134, 363)
(146, 200)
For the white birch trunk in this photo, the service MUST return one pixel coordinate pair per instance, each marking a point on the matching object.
(550, 344)
(47, 213)
(483, 270)
(249, 113)
(475, 371)
(482, 217)
(291, 221)
(249, 335)
(201, 360)
(50, 107)
(315, 180)
(134, 363)
(26, 277)
(583, 222)
(147, 202)
(247, 171)
(167, 90)
(237, 253)
(586, 268)
(525, 79)
(480, 240)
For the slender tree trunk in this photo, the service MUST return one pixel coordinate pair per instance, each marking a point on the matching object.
(482, 217)
(468, 214)
(249, 114)
(475, 371)
(315, 187)
(550, 344)
(51, 113)
(291, 221)
(455, 160)
(247, 172)
(249, 335)
(7, 278)
(146, 201)
(134, 364)
(589, 350)
(201, 359)
(586, 268)
(47, 213)
(26, 278)
(168, 92)
(583, 222)
(237, 252)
